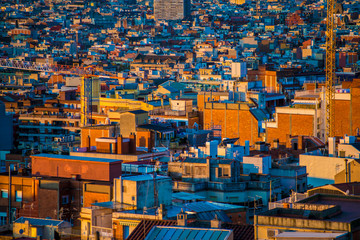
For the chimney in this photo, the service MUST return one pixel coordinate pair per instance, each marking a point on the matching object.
(208, 166)
(182, 219)
(346, 171)
(300, 142)
(151, 141)
(288, 141)
(132, 143)
(276, 143)
(332, 147)
(215, 223)
(162, 211)
(119, 144)
(118, 187)
(247, 148)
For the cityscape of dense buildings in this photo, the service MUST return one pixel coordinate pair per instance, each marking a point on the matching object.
(179, 119)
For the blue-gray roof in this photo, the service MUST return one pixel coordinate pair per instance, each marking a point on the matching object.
(112, 205)
(210, 215)
(165, 232)
(259, 114)
(137, 111)
(39, 221)
(186, 196)
(209, 206)
(146, 177)
(77, 158)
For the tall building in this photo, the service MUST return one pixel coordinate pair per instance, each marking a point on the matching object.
(172, 9)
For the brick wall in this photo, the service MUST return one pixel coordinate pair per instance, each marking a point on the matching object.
(93, 133)
(56, 167)
(291, 124)
(234, 124)
(48, 203)
(92, 197)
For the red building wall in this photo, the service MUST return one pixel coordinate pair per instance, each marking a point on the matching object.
(66, 168)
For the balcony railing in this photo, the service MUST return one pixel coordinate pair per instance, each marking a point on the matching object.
(167, 112)
(62, 116)
(227, 187)
(187, 186)
(286, 202)
(104, 233)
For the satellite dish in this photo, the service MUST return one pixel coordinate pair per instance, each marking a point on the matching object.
(21, 231)
(347, 192)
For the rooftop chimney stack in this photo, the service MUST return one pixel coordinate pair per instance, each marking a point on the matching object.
(215, 223)
(182, 219)
(332, 146)
(247, 148)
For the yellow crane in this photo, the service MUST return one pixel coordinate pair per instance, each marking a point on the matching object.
(330, 68)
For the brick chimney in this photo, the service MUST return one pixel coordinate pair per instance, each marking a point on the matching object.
(288, 141)
(182, 218)
(132, 143)
(119, 144)
(151, 142)
(215, 223)
(300, 142)
(276, 143)
(162, 211)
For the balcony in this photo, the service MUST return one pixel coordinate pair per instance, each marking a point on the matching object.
(187, 186)
(227, 187)
(287, 202)
(167, 112)
(103, 233)
(47, 126)
(32, 116)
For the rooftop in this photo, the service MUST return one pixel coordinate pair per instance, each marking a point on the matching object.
(162, 232)
(146, 177)
(77, 158)
(39, 221)
(349, 205)
(308, 235)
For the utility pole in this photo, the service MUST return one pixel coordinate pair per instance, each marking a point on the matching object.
(270, 190)
(9, 196)
(296, 181)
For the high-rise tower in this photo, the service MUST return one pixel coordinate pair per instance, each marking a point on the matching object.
(172, 9)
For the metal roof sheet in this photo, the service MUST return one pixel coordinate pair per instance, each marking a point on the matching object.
(77, 158)
(39, 221)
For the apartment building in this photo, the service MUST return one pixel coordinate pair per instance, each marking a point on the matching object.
(306, 115)
(172, 9)
(221, 180)
(58, 121)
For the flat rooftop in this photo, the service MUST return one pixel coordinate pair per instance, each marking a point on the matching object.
(350, 210)
(308, 235)
(146, 177)
(77, 158)
(330, 208)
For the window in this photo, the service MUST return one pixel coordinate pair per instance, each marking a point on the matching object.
(3, 218)
(187, 170)
(18, 196)
(65, 199)
(219, 172)
(4, 193)
(226, 172)
(126, 231)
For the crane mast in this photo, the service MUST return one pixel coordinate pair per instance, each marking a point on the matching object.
(330, 69)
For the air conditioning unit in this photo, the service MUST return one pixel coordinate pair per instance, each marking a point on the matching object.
(271, 233)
